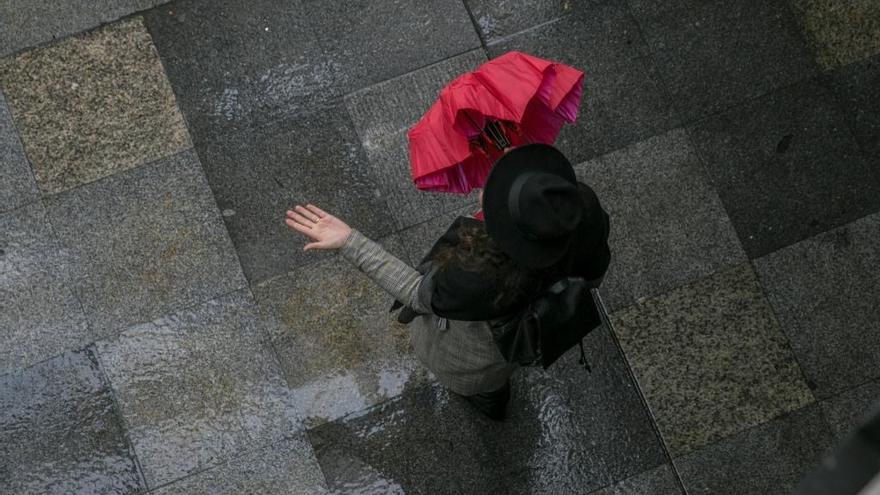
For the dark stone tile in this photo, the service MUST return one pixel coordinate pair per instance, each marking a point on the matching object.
(768, 459)
(17, 185)
(383, 113)
(713, 55)
(856, 89)
(286, 468)
(25, 23)
(419, 239)
(840, 33)
(234, 65)
(624, 99)
(496, 20)
(849, 410)
(39, 314)
(413, 34)
(145, 242)
(824, 291)
(60, 431)
(658, 481)
(198, 386)
(668, 226)
(710, 359)
(258, 174)
(786, 167)
(567, 432)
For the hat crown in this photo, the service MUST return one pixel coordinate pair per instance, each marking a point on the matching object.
(544, 206)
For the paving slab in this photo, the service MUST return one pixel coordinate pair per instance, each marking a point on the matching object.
(710, 359)
(713, 55)
(668, 226)
(17, 185)
(93, 105)
(856, 89)
(658, 481)
(383, 113)
(60, 431)
(25, 23)
(197, 387)
(849, 410)
(787, 167)
(235, 65)
(840, 33)
(769, 459)
(624, 98)
(39, 314)
(824, 291)
(339, 347)
(413, 34)
(285, 468)
(419, 239)
(496, 20)
(258, 174)
(567, 432)
(145, 242)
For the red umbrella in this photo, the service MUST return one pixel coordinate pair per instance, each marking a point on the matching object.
(512, 100)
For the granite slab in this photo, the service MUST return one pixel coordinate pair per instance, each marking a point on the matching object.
(496, 20)
(61, 432)
(413, 34)
(235, 65)
(383, 113)
(824, 291)
(93, 105)
(39, 313)
(710, 359)
(17, 185)
(257, 175)
(197, 387)
(849, 410)
(339, 347)
(658, 481)
(566, 432)
(856, 89)
(288, 467)
(787, 167)
(840, 33)
(419, 239)
(145, 242)
(769, 459)
(668, 226)
(713, 55)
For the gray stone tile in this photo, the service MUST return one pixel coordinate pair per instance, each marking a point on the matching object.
(25, 23)
(288, 467)
(39, 314)
(93, 105)
(17, 185)
(847, 411)
(824, 291)
(769, 459)
(419, 239)
(658, 481)
(234, 65)
(786, 166)
(713, 55)
(624, 99)
(840, 33)
(496, 20)
(710, 359)
(668, 226)
(340, 348)
(413, 34)
(567, 432)
(383, 113)
(258, 174)
(60, 431)
(198, 386)
(856, 89)
(145, 242)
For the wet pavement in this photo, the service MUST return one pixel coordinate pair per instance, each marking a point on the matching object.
(162, 332)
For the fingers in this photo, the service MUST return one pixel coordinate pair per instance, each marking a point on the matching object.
(300, 219)
(299, 228)
(306, 213)
(317, 211)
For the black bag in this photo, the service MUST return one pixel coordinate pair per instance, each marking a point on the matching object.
(551, 324)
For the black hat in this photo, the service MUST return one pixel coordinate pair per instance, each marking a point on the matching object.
(532, 205)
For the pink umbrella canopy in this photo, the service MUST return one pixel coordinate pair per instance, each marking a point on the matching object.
(512, 100)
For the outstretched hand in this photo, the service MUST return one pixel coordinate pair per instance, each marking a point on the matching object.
(327, 231)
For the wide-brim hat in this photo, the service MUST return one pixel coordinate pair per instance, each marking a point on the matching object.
(532, 206)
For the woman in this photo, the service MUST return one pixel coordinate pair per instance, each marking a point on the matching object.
(540, 224)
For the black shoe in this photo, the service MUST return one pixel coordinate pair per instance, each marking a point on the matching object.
(492, 404)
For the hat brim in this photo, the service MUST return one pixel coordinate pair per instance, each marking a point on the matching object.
(500, 225)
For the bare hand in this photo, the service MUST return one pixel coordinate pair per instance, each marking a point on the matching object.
(327, 231)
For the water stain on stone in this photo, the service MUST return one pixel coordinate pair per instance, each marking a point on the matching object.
(784, 143)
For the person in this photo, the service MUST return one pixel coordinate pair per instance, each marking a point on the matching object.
(540, 224)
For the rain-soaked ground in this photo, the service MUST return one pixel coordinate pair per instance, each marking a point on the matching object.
(162, 332)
